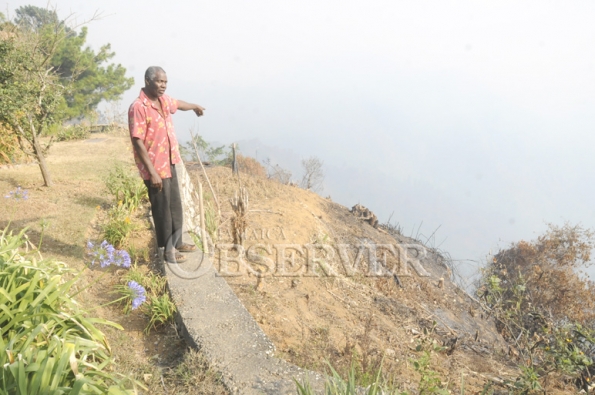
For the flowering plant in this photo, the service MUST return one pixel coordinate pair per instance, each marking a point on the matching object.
(137, 294)
(106, 255)
(18, 194)
(132, 294)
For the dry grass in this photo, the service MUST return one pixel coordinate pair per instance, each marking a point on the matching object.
(347, 321)
(72, 212)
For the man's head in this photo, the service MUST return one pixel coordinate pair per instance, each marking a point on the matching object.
(155, 82)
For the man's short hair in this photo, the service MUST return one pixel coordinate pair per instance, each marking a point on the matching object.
(152, 72)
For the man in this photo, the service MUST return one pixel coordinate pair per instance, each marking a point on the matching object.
(156, 153)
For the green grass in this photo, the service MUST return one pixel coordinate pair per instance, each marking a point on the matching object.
(336, 385)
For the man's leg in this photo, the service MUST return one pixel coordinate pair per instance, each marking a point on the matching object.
(177, 214)
(160, 209)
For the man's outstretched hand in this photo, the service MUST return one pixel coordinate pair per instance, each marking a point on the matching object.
(184, 106)
(199, 111)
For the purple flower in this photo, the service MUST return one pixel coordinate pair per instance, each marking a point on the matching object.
(121, 258)
(138, 294)
(18, 194)
(103, 253)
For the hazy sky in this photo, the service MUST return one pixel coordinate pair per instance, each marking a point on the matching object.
(473, 116)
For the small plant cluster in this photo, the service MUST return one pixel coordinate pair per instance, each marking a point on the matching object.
(47, 344)
(106, 255)
(148, 290)
(136, 289)
(126, 188)
(130, 193)
(336, 385)
(544, 309)
(430, 381)
(18, 194)
(119, 225)
(73, 132)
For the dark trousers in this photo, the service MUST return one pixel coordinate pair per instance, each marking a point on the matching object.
(166, 207)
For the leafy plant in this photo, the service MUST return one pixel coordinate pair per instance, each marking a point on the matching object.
(139, 255)
(153, 283)
(47, 344)
(429, 381)
(73, 132)
(211, 221)
(543, 308)
(132, 295)
(30, 86)
(160, 310)
(118, 227)
(336, 385)
(126, 188)
(158, 307)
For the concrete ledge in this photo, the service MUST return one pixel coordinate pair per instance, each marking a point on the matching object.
(214, 320)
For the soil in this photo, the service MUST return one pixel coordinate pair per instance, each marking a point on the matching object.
(318, 314)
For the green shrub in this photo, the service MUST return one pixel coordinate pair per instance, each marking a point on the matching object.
(126, 188)
(160, 310)
(118, 227)
(73, 132)
(47, 345)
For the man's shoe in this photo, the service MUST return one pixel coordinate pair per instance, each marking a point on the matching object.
(186, 248)
(171, 257)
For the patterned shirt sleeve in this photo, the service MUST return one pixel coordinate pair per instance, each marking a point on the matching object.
(173, 105)
(137, 122)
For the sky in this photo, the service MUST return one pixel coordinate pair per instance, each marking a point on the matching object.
(470, 122)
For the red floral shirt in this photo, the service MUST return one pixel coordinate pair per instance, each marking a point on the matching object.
(146, 123)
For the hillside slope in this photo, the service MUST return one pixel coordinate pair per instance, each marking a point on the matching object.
(299, 276)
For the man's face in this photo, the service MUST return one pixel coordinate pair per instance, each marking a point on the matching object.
(157, 86)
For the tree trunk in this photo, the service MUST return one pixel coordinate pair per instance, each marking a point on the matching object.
(41, 160)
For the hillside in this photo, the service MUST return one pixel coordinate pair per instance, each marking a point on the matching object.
(312, 274)
(299, 282)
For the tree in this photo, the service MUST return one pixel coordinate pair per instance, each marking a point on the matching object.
(35, 18)
(46, 77)
(88, 76)
(313, 175)
(30, 90)
(215, 155)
